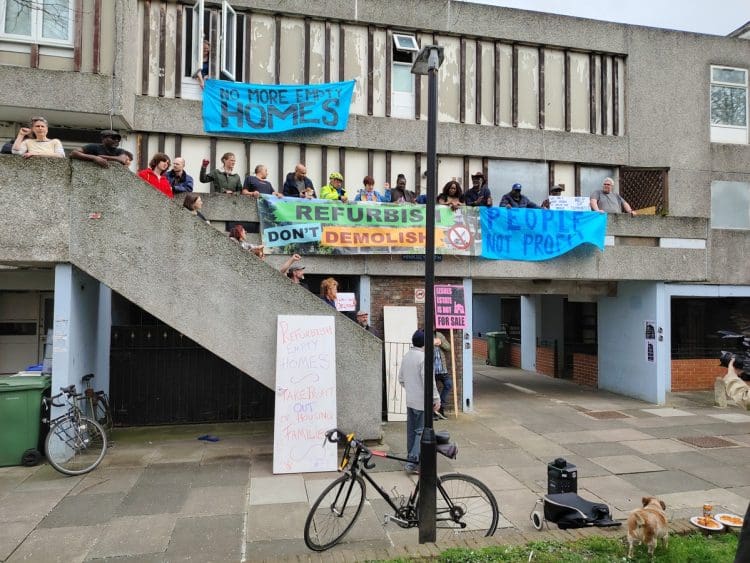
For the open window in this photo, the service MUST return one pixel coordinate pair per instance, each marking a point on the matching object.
(48, 22)
(405, 46)
(224, 29)
(729, 103)
(228, 42)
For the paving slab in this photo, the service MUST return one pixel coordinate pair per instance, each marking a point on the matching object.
(722, 475)
(278, 489)
(667, 412)
(206, 501)
(12, 534)
(134, 535)
(28, 506)
(658, 446)
(682, 460)
(108, 480)
(618, 492)
(129, 457)
(63, 545)
(594, 449)
(181, 452)
(589, 436)
(670, 481)
(169, 473)
(496, 478)
(207, 538)
(154, 499)
(732, 417)
(729, 456)
(276, 521)
(619, 464)
(222, 474)
(696, 499)
(77, 510)
(45, 478)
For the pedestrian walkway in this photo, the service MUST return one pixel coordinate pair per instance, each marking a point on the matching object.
(163, 495)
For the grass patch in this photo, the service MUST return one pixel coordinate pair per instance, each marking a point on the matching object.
(692, 548)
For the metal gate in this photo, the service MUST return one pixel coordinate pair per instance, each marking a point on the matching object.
(645, 188)
(159, 376)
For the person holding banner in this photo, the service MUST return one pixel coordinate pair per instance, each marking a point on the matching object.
(334, 189)
(451, 195)
(411, 377)
(553, 191)
(297, 184)
(478, 195)
(441, 372)
(514, 199)
(329, 288)
(369, 193)
(224, 179)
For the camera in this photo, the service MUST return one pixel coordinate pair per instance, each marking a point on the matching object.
(740, 355)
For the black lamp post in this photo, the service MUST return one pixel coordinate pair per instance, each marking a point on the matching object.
(428, 62)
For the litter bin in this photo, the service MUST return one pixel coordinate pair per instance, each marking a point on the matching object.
(496, 348)
(20, 418)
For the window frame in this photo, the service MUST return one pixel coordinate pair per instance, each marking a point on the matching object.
(725, 127)
(198, 10)
(413, 49)
(37, 27)
(228, 41)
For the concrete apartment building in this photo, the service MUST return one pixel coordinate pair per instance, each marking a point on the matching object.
(152, 302)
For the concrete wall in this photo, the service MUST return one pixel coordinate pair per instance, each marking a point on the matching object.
(487, 314)
(123, 232)
(622, 364)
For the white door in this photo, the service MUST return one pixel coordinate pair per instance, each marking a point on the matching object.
(399, 324)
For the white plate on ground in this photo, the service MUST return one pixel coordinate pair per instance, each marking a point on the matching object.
(697, 521)
(726, 519)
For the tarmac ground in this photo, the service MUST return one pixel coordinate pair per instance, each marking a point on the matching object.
(160, 495)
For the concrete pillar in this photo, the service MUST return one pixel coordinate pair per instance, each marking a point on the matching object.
(531, 311)
(466, 346)
(103, 338)
(365, 302)
(553, 325)
(75, 335)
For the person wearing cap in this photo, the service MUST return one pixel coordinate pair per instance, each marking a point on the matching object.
(607, 201)
(553, 191)
(363, 321)
(334, 189)
(297, 184)
(514, 198)
(478, 195)
(103, 153)
(411, 378)
(33, 141)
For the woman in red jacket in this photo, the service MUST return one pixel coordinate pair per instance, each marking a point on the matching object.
(155, 174)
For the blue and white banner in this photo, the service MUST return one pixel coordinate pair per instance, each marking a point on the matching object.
(538, 234)
(235, 107)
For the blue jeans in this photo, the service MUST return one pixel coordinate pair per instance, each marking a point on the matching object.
(447, 381)
(414, 427)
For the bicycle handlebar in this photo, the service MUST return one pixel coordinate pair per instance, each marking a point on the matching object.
(70, 391)
(336, 435)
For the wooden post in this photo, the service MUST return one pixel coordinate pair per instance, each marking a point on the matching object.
(453, 375)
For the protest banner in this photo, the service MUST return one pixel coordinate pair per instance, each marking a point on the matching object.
(538, 234)
(450, 307)
(234, 107)
(305, 394)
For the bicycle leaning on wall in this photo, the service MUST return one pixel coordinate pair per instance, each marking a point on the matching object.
(465, 506)
(75, 443)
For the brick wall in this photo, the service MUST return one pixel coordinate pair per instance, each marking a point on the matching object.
(696, 374)
(399, 292)
(479, 347)
(586, 370)
(545, 360)
(515, 355)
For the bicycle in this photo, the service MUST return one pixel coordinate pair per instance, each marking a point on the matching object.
(75, 444)
(465, 506)
(97, 403)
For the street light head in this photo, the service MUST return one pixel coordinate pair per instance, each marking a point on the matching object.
(429, 58)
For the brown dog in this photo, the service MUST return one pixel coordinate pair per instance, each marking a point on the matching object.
(646, 525)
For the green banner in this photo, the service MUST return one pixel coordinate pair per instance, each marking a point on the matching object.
(358, 215)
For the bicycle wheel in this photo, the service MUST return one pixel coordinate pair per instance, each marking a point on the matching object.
(334, 513)
(75, 448)
(465, 507)
(102, 414)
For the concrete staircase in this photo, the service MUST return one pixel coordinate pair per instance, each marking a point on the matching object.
(122, 232)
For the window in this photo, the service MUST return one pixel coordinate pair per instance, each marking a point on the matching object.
(728, 105)
(402, 83)
(730, 205)
(225, 31)
(38, 21)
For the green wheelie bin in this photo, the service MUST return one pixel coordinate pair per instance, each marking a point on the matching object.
(20, 418)
(496, 353)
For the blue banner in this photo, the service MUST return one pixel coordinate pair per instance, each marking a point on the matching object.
(538, 234)
(235, 107)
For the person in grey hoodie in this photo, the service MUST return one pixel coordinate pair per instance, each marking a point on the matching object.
(411, 378)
